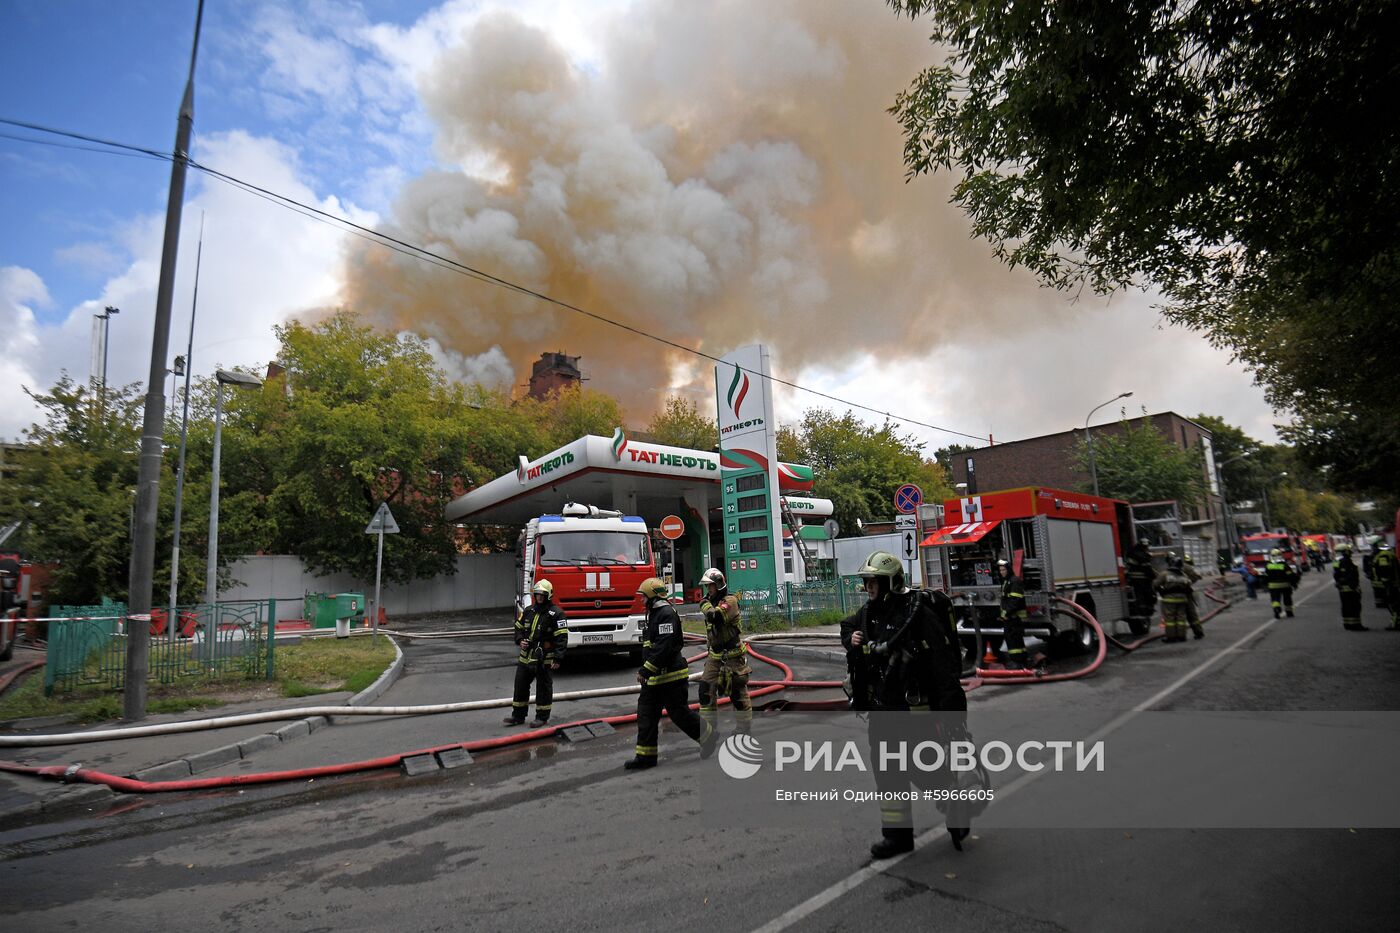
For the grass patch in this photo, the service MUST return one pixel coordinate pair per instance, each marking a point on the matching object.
(94, 703)
(326, 665)
(322, 665)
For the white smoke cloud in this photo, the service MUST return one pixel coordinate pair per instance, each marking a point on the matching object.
(20, 290)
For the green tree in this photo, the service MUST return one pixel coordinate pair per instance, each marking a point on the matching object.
(1140, 465)
(859, 467)
(1242, 158)
(570, 413)
(74, 490)
(680, 424)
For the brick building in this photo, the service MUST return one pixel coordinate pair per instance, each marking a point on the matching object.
(553, 372)
(1050, 460)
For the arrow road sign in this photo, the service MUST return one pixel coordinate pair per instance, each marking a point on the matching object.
(383, 522)
(909, 544)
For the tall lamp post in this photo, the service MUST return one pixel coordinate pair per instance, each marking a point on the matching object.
(1225, 498)
(106, 318)
(1089, 438)
(211, 583)
(1264, 491)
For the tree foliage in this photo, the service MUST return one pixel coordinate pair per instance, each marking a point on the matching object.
(680, 424)
(859, 467)
(1139, 464)
(75, 490)
(1243, 158)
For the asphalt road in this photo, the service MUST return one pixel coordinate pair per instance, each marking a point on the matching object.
(555, 836)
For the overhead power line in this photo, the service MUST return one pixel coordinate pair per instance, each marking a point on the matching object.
(424, 254)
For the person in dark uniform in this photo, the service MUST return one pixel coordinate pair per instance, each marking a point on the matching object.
(1013, 616)
(1138, 569)
(1282, 580)
(902, 654)
(1347, 579)
(542, 633)
(664, 677)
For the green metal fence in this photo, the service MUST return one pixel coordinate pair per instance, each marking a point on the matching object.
(799, 600)
(88, 645)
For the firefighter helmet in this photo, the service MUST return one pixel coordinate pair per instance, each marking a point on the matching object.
(881, 564)
(543, 588)
(1344, 549)
(1383, 546)
(654, 588)
(1174, 561)
(713, 575)
(1275, 553)
(1188, 559)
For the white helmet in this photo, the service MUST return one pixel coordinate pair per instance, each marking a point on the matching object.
(543, 588)
(713, 575)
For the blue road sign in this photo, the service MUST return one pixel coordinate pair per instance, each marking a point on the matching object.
(908, 498)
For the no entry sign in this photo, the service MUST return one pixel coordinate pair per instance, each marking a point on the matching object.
(672, 527)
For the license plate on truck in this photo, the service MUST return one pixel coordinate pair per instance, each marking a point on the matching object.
(604, 637)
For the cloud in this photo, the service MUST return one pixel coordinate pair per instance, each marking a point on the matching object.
(20, 290)
(262, 265)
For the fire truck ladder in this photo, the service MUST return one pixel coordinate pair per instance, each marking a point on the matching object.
(795, 528)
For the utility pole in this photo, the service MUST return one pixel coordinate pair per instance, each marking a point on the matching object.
(143, 546)
(184, 435)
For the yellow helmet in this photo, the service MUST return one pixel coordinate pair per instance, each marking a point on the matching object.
(543, 588)
(654, 588)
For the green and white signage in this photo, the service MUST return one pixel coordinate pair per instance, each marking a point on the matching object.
(748, 459)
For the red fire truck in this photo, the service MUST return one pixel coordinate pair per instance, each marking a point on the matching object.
(1257, 548)
(595, 558)
(14, 600)
(1059, 543)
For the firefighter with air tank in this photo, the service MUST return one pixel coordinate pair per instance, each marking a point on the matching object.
(902, 655)
(1347, 579)
(1282, 580)
(665, 680)
(727, 668)
(1174, 587)
(542, 634)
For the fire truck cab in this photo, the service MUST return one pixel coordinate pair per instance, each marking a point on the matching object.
(14, 600)
(595, 558)
(1059, 543)
(1257, 548)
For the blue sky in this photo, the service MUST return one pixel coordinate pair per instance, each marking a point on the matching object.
(721, 173)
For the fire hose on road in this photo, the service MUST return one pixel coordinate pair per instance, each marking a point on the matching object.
(78, 774)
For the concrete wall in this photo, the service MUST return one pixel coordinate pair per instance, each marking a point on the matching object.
(482, 581)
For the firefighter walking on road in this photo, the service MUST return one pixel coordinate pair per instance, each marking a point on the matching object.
(727, 667)
(1348, 582)
(1282, 580)
(1175, 589)
(1385, 577)
(542, 634)
(665, 680)
(1013, 616)
(902, 654)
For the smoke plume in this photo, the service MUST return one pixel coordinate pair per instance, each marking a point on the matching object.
(729, 175)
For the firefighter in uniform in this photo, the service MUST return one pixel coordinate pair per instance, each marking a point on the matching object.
(664, 677)
(1386, 579)
(1348, 582)
(1175, 589)
(1193, 615)
(1138, 569)
(1013, 616)
(727, 667)
(542, 633)
(1281, 579)
(902, 654)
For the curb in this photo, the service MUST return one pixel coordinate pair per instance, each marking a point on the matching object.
(182, 768)
(835, 655)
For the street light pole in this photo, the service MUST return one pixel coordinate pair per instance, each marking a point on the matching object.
(1089, 438)
(143, 545)
(211, 582)
(106, 318)
(184, 436)
(1230, 527)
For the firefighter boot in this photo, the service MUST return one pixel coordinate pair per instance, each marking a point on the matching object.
(1198, 631)
(708, 741)
(958, 834)
(639, 763)
(538, 722)
(512, 721)
(893, 842)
